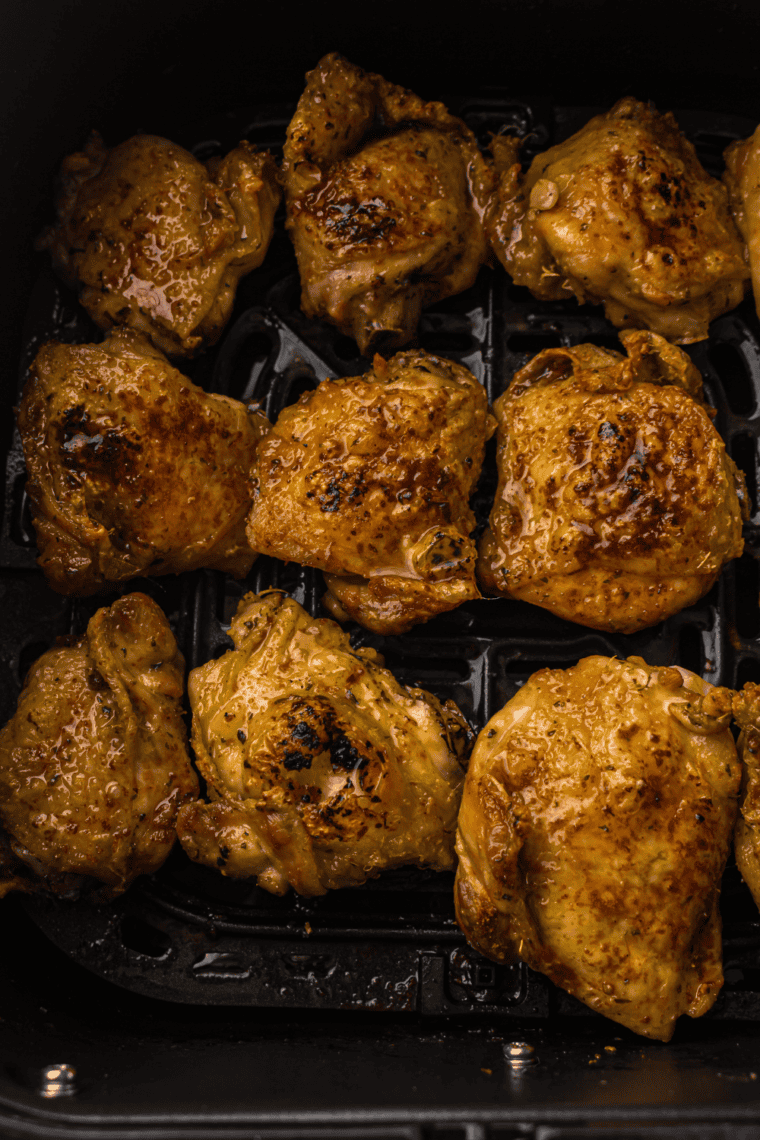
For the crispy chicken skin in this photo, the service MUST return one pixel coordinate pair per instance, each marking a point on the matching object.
(621, 214)
(94, 764)
(384, 195)
(617, 504)
(132, 469)
(746, 708)
(742, 177)
(595, 825)
(369, 479)
(154, 239)
(322, 769)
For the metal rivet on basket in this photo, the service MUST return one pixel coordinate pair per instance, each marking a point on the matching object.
(520, 1055)
(57, 1080)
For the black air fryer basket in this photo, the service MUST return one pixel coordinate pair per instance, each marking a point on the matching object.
(199, 1006)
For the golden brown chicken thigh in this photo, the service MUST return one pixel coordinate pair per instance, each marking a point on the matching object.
(384, 201)
(746, 709)
(617, 504)
(94, 764)
(132, 468)
(369, 479)
(621, 214)
(154, 239)
(742, 177)
(322, 769)
(595, 825)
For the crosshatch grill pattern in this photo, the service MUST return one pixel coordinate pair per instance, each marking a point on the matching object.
(189, 935)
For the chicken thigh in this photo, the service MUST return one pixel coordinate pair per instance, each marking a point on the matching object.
(742, 177)
(617, 504)
(154, 239)
(746, 709)
(322, 770)
(94, 764)
(595, 825)
(369, 479)
(384, 196)
(621, 214)
(132, 468)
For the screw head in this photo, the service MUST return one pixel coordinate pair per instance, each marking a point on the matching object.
(57, 1080)
(520, 1055)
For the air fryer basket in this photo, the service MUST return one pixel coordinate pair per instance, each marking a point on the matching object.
(364, 1013)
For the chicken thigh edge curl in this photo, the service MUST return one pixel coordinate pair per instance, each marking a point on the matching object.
(132, 468)
(617, 502)
(621, 214)
(368, 478)
(156, 240)
(94, 764)
(322, 770)
(385, 195)
(594, 829)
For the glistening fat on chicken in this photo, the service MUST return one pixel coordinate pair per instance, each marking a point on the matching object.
(746, 710)
(154, 239)
(621, 214)
(617, 503)
(385, 195)
(369, 479)
(595, 825)
(132, 469)
(322, 770)
(94, 764)
(742, 178)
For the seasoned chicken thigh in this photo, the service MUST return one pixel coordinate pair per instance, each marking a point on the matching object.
(617, 504)
(621, 214)
(132, 468)
(154, 239)
(595, 825)
(322, 770)
(384, 201)
(369, 479)
(746, 709)
(94, 764)
(742, 177)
